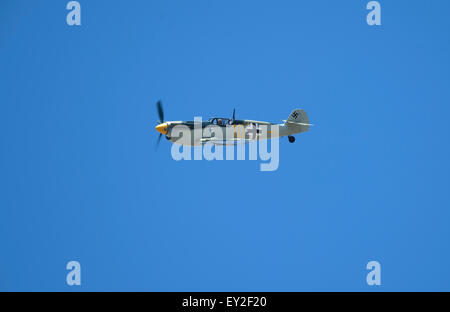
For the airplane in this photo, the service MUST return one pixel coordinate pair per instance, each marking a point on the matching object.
(241, 130)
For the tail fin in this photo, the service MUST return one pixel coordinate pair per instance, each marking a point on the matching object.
(299, 119)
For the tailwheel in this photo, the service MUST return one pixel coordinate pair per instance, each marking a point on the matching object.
(291, 139)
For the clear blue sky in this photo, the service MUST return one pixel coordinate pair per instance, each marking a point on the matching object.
(80, 180)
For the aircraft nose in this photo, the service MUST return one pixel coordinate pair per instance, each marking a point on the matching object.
(162, 128)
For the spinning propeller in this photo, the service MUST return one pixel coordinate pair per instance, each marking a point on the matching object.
(162, 126)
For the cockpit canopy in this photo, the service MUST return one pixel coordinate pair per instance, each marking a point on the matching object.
(221, 121)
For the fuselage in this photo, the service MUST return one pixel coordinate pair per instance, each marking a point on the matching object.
(224, 131)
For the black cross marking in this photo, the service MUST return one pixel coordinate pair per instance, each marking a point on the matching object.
(254, 131)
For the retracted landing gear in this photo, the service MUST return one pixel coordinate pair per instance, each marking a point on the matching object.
(291, 139)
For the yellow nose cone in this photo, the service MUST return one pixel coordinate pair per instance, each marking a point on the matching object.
(162, 128)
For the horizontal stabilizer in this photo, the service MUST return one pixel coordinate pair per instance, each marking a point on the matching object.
(297, 123)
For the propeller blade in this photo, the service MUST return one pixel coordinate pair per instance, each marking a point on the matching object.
(160, 111)
(234, 109)
(157, 142)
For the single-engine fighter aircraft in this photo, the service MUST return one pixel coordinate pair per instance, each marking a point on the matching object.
(229, 131)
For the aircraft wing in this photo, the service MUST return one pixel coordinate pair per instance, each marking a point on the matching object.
(224, 142)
